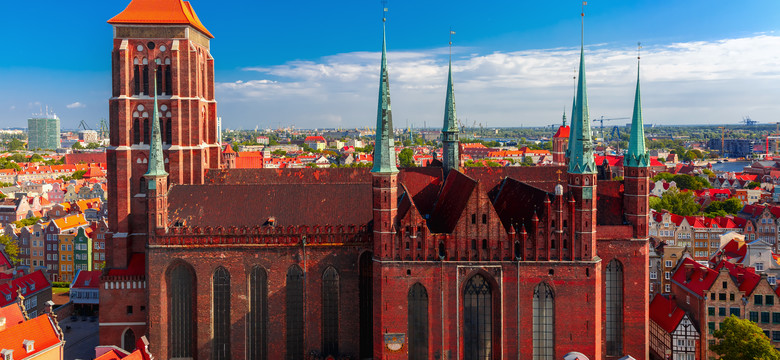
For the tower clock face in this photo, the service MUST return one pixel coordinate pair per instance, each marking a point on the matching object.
(150, 45)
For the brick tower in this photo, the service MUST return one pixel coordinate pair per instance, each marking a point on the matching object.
(560, 143)
(636, 163)
(160, 41)
(384, 178)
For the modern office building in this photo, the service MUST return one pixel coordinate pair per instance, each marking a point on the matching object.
(43, 132)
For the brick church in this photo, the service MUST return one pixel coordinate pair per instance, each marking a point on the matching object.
(439, 262)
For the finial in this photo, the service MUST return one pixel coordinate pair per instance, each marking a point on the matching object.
(638, 50)
(582, 23)
(384, 10)
(451, 33)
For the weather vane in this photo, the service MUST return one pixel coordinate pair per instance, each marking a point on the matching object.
(451, 33)
(638, 49)
(384, 10)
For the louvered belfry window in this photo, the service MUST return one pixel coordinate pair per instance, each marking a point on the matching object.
(477, 319)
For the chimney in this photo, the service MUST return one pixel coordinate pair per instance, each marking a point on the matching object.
(2, 323)
(703, 273)
(688, 272)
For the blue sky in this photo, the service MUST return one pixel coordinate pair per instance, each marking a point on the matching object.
(315, 64)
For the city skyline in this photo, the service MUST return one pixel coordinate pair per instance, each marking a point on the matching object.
(510, 68)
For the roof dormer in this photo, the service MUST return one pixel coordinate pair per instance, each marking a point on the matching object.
(7, 354)
(29, 346)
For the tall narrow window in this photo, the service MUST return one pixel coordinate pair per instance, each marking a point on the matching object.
(136, 131)
(128, 340)
(418, 322)
(221, 315)
(366, 305)
(146, 132)
(159, 77)
(168, 79)
(544, 322)
(477, 319)
(136, 78)
(614, 295)
(257, 342)
(294, 313)
(146, 79)
(181, 305)
(330, 312)
(168, 131)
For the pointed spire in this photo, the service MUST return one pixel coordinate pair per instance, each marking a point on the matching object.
(384, 148)
(581, 141)
(156, 159)
(449, 133)
(637, 155)
(563, 121)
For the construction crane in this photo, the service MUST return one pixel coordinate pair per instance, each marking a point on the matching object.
(602, 120)
(748, 121)
(83, 125)
(103, 129)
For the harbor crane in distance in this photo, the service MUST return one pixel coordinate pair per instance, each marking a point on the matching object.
(748, 121)
(602, 120)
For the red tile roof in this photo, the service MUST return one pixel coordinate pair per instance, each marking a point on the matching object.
(30, 284)
(12, 314)
(665, 313)
(5, 261)
(563, 132)
(40, 329)
(93, 172)
(310, 139)
(228, 150)
(87, 280)
(136, 266)
(696, 280)
(745, 277)
(86, 158)
(160, 12)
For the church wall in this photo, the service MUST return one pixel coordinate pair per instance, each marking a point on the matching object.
(239, 261)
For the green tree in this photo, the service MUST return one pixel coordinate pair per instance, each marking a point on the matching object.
(10, 247)
(26, 222)
(279, 152)
(753, 185)
(406, 158)
(15, 144)
(741, 339)
(93, 146)
(35, 158)
(678, 202)
(77, 146)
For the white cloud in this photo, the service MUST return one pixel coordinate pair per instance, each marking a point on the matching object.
(693, 82)
(12, 107)
(75, 105)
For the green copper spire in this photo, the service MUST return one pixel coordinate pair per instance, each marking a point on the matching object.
(580, 138)
(449, 133)
(637, 155)
(563, 121)
(156, 160)
(384, 149)
(573, 127)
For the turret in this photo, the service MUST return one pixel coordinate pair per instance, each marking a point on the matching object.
(636, 172)
(156, 176)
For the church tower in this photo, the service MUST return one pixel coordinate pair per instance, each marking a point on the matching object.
(582, 171)
(449, 133)
(636, 169)
(162, 41)
(384, 177)
(560, 143)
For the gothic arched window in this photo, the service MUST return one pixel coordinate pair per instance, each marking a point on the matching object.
(477, 319)
(418, 322)
(366, 305)
(220, 314)
(147, 140)
(544, 322)
(294, 313)
(128, 340)
(180, 307)
(614, 310)
(257, 338)
(330, 312)
(136, 131)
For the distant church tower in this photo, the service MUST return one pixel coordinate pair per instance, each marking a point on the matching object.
(560, 143)
(160, 41)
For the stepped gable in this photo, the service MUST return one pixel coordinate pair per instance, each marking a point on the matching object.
(452, 201)
(517, 201)
(610, 203)
(289, 204)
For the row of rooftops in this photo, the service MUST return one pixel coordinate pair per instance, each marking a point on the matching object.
(22, 338)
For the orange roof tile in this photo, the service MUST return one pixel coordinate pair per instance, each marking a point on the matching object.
(160, 12)
(39, 329)
(70, 222)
